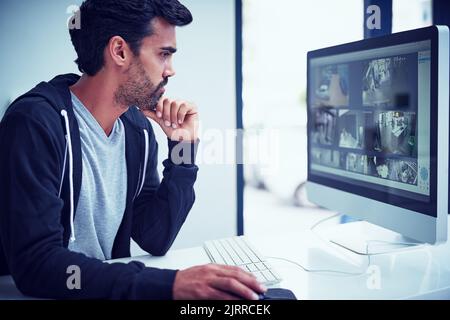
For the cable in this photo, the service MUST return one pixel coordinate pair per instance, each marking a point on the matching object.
(367, 254)
(344, 273)
(323, 270)
(319, 270)
(405, 244)
(324, 220)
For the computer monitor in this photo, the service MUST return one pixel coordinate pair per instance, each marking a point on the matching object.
(378, 117)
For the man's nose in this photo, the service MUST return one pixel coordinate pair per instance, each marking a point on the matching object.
(169, 72)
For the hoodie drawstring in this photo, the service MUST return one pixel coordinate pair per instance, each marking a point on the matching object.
(69, 152)
(145, 161)
(69, 148)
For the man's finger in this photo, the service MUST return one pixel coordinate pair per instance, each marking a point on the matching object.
(233, 286)
(242, 276)
(216, 294)
(174, 107)
(159, 108)
(182, 113)
(151, 115)
(192, 109)
(166, 112)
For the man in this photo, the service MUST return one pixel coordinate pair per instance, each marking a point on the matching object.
(78, 166)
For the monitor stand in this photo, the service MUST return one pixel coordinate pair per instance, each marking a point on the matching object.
(365, 238)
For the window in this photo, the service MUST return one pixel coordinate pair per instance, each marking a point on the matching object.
(411, 14)
(276, 38)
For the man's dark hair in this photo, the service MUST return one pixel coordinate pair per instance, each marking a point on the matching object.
(100, 20)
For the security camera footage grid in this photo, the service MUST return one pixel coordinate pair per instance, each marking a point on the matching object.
(364, 117)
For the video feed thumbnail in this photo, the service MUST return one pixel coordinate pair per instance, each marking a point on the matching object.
(331, 86)
(395, 170)
(396, 133)
(356, 163)
(324, 130)
(385, 82)
(329, 158)
(351, 129)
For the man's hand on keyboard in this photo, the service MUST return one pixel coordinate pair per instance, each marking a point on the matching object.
(216, 282)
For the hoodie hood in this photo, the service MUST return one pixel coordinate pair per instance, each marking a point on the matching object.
(56, 91)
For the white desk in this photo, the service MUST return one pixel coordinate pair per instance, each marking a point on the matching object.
(422, 273)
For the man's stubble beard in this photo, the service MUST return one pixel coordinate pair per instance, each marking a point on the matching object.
(138, 90)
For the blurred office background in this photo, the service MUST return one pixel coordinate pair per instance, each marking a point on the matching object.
(274, 96)
(276, 36)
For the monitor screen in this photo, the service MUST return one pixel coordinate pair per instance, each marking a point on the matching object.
(369, 120)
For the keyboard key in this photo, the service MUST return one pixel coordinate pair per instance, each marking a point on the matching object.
(224, 254)
(259, 276)
(260, 266)
(215, 256)
(268, 275)
(244, 257)
(237, 261)
(247, 250)
(252, 267)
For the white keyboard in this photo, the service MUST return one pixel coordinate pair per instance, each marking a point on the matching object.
(236, 251)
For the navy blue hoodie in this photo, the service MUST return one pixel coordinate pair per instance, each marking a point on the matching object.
(40, 181)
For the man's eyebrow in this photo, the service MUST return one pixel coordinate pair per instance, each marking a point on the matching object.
(170, 49)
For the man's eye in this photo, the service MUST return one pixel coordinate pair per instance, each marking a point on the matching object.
(165, 54)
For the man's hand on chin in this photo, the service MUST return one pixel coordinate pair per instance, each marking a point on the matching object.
(178, 119)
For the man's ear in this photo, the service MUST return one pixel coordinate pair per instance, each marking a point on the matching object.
(119, 52)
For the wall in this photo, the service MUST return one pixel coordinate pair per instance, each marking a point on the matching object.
(36, 46)
(205, 66)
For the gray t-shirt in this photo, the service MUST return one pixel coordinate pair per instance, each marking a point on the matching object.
(103, 188)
